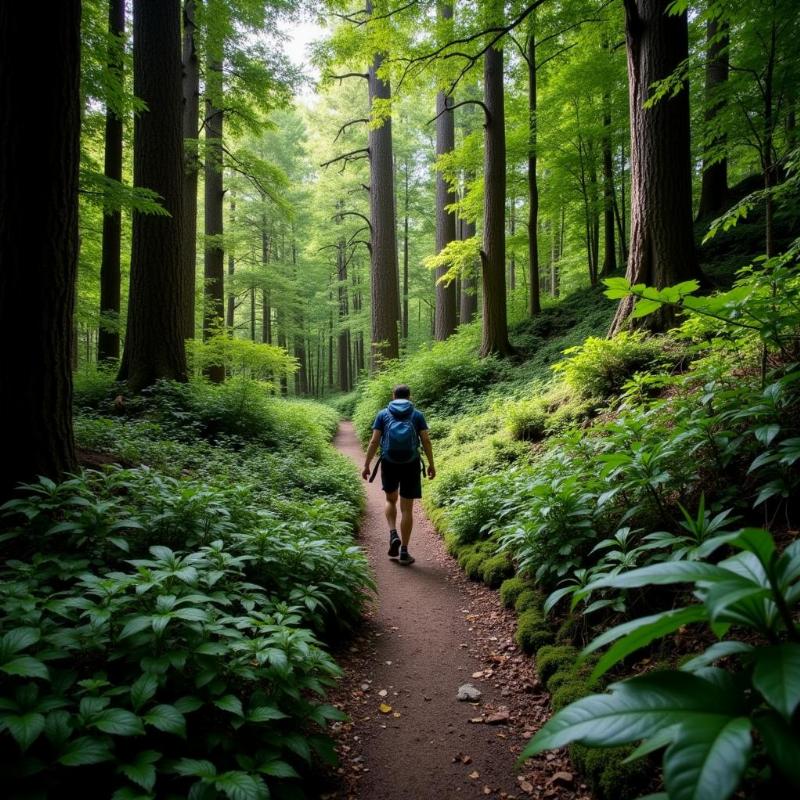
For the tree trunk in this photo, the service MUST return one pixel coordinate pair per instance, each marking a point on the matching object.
(37, 273)
(534, 299)
(405, 256)
(493, 254)
(512, 230)
(343, 340)
(469, 283)
(214, 262)
(445, 314)
(108, 335)
(609, 245)
(154, 346)
(385, 300)
(714, 187)
(231, 270)
(662, 245)
(191, 163)
(770, 178)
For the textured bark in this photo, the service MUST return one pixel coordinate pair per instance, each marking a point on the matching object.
(445, 314)
(493, 254)
(714, 187)
(231, 270)
(37, 273)
(385, 300)
(214, 260)
(343, 340)
(662, 245)
(534, 299)
(154, 346)
(191, 163)
(609, 245)
(108, 339)
(469, 284)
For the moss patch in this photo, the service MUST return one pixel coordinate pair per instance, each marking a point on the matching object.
(510, 590)
(496, 569)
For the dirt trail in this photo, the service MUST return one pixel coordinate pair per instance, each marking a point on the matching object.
(429, 631)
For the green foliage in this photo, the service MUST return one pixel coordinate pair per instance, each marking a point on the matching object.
(496, 569)
(473, 565)
(609, 773)
(551, 659)
(476, 515)
(527, 599)
(599, 367)
(532, 630)
(511, 589)
(704, 715)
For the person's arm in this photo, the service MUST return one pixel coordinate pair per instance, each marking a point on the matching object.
(371, 450)
(426, 446)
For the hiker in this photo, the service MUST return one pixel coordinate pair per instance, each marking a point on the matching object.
(398, 429)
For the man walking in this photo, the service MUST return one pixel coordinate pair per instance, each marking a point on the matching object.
(399, 429)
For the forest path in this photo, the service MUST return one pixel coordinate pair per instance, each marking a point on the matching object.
(427, 633)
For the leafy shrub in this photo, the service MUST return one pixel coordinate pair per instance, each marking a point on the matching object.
(496, 569)
(526, 599)
(94, 387)
(599, 367)
(527, 419)
(474, 513)
(511, 589)
(473, 565)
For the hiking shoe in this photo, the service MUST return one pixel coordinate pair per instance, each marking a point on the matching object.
(406, 557)
(394, 544)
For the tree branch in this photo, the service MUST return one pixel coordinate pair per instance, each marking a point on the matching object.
(354, 16)
(353, 155)
(344, 75)
(464, 103)
(339, 214)
(347, 125)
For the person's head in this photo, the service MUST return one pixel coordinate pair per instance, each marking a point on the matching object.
(401, 392)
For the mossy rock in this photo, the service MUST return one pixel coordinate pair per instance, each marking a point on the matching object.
(473, 566)
(496, 569)
(610, 778)
(570, 631)
(511, 589)
(569, 692)
(527, 599)
(464, 553)
(553, 659)
(532, 633)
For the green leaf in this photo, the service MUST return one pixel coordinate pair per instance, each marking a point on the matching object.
(118, 722)
(18, 639)
(26, 667)
(142, 771)
(707, 759)
(636, 709)
(241, 786)
(135, 625)
(143, 689)
(195, 767)
(639, 633)
(777, 676)
(85, 750)
(25, 728)
(660, 574)
(265, 713)
(782, 744)
(756, 541)
(278, 769)
(166, 718)
(718, 650)
(188, 704)
(644, 307)
(766, 433)
(230, 703)
(57, 727)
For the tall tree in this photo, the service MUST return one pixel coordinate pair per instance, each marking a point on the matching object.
(468, 306)
(493, 254)
(445, 314)
(214, 258)
(37, 273)
(609, 247)
(714, 187)
(662, 249)
(534, 301)
(108, 335)
(154, 343)
(191, 165)
(385, 300)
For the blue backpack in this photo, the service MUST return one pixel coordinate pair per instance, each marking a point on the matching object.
(400, 441)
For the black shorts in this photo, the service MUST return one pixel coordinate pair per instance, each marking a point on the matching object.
(406, 476)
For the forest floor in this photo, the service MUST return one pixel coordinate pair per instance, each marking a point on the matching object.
(428, 631)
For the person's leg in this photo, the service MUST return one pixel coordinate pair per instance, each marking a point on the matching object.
(406, 519)
(391, 509)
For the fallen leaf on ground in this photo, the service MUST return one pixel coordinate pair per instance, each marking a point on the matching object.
(526, 787)
(476, 720)
(474, 775)
(384, 708)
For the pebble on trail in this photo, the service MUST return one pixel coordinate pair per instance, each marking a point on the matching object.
(468, 692)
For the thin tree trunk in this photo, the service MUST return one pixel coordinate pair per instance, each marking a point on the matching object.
(714, 187)
(534, 299)
(512, 229)
(38, 273)
(231, 269)
(770, 177)
(495, 327)
(609, 245)
(214, 262)
(154, 346)
(108, 335)
(405, 256)
(469, 282)
(343, 341)
(662, 244)
(191, 163)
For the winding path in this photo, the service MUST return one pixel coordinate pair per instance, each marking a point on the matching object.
(428, 632)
